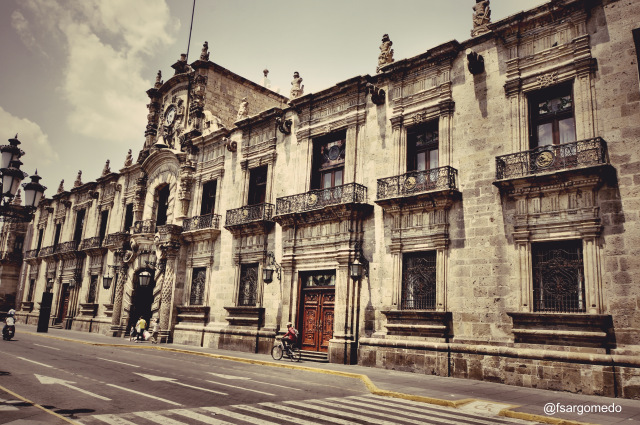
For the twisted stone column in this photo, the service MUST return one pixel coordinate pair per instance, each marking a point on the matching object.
(168, 280)
(116, 326)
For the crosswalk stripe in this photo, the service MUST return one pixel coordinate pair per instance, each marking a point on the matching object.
(442, 418)
(156, 417)
(199, 417)
(240, 388)
(113, 420)
(144, 395)
(275, 415)
(416, 407)
(236, 415)
(276, 385)
(373, 419)
(306, 409)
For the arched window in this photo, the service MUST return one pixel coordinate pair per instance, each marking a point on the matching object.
(163, 206)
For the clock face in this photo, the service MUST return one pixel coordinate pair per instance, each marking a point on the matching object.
(170, 115)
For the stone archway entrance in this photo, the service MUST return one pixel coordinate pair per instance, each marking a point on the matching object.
(317, 300)
(141, 302)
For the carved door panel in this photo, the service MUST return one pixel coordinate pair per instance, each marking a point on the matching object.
(317, 319)
(64, 303)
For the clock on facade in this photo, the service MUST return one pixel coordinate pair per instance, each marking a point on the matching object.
(170, 115)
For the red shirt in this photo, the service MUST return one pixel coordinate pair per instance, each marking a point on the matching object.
(290, 335)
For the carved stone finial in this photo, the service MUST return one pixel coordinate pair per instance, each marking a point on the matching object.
(243, 111)
(159, 81)
(265, 81)
(78, 181)
(61, 187)
(204, 55)
(297, 88)
(106, 170)
(481, 18)
(129, 160)
(265, 72)
(386, 52)
(475, 62)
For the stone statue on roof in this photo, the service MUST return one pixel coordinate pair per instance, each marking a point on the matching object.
(386, 52)
(107, 169)
(481, 17)
(60, 187)
(129, 160)
(78, 181)
(297, 89)
(243, 111)
(204, 55)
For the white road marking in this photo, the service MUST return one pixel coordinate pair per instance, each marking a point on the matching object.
(291, 418)
(144, 395)
(115, 361)
(306, 408)
(240, 416)
(46, 346)
(151, 416)
(241, 388)
(326, 407)
(113, 420)
(49, 380)
(32, 361)
(199, 417)
(276, 385)
(219, 375)
(174, 381)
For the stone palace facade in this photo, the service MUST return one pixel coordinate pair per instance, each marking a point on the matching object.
(490, 190)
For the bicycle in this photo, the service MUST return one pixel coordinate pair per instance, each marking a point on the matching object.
(289, 350)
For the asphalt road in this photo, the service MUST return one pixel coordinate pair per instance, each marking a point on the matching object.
(52, 381)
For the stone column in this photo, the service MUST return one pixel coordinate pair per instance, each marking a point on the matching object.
(116, 327)
(441, 278)
(170, 252)
(524, 271)
(342, 345)
(592, 279)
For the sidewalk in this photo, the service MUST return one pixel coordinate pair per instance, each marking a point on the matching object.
(476, 396)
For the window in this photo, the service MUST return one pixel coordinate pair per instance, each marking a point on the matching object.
(552, 117)
(163, 206)
(77, 233)
(636, 40)
(248, 294)
(32, 286)
(208, 197)
(104, 220)
(419, 281)
(93, 287)
(198, 280)
(40, 236)
(18, 244)
(422, 147)
(318, 278)
(56, 238)
(257, 185)
(328, 161)
(128, 217)
(558, 277)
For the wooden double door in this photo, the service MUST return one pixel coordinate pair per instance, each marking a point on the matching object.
(316, 329)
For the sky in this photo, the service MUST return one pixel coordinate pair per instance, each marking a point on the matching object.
(74, 73)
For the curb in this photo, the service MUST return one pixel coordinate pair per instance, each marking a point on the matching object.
(373, 389)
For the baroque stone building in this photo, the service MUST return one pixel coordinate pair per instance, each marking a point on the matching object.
(488, 187)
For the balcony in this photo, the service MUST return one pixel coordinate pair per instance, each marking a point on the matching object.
(11, 257)
(66, 247)
(144, 226)
(47, 251)
(201, 227)
(321, 204)
(251, 217)
(91, 243)
(545, 161)
(417, 186)
(31, 254)
(116, 240)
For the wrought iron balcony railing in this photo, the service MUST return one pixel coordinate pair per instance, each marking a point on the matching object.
(416, 182)
(89, 243)
(208, 221)
(249, 214)
(32, 253)
(320, 198)
(550, 158)
(116, 238)
(47, 251)
(66, 247)
(144, 226)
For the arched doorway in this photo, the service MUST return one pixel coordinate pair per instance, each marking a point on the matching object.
(141, 299)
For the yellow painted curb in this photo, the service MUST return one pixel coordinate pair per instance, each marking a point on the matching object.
(71, 421)
(373, 389)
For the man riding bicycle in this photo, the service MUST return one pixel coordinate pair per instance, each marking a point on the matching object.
(291, 337)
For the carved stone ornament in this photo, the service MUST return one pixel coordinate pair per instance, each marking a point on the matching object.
(60, 187)
(204, 54)
(386, 52)
(129, 160)
(548, 79)
(159, 81)
(475, 62)
(284, 125)
(78, 181)
(377, 94)
(106, 170)
(230, 145)
(481, 18)
(243, 110)
(297, 88)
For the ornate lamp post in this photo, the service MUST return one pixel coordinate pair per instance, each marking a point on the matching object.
(12, 176)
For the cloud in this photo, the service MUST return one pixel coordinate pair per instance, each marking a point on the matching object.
(35, 142)
(106, 44)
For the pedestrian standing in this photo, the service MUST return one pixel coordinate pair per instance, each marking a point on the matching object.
(155, 328)
(140, 327)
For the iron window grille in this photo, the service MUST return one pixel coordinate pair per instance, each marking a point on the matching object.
(248, 291)
(419, 281)
(198, 280)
